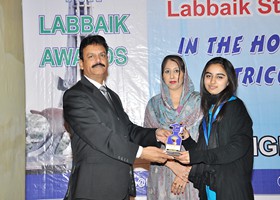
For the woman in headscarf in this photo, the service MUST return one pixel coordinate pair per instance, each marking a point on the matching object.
(177, 103)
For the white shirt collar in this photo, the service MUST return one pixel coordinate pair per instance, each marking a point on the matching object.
(95, 83)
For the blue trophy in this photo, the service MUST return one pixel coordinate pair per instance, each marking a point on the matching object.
(174, 141)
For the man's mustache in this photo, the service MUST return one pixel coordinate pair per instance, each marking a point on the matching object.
(98, 64)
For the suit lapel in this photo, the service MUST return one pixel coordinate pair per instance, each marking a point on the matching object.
(114, 100)
(100, 97)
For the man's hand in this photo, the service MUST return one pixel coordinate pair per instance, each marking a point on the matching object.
(162, 134)
(184, 157)
(154, 154)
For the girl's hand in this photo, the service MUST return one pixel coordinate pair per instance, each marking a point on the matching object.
(183, 158)
(185, 134)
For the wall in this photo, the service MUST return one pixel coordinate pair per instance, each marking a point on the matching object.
(12, 102)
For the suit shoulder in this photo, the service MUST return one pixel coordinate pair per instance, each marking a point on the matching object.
(77, 88)
(237, 103)
(236, 107)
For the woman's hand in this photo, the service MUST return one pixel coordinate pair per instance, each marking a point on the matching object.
(183, 158)
(178, 186)
(179, 170)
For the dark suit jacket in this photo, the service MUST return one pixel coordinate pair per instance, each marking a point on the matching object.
(104, 143)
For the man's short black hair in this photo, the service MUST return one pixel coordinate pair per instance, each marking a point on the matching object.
(92, 39)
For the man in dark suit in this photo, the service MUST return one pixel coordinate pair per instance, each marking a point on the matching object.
(104, 141)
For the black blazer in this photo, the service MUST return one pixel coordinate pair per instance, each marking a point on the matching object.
(226, 164)
(104, 143)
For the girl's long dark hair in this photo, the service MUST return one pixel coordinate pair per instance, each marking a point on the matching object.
(226, 93)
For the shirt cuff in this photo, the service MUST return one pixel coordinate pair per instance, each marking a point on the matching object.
(139, 152)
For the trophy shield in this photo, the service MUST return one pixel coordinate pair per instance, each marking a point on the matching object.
(174, 141)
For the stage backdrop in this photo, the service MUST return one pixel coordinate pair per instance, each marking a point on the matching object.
(140, 34)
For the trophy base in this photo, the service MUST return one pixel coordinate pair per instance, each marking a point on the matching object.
(173, 153)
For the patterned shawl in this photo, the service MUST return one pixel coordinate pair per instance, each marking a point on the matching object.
(160, 112)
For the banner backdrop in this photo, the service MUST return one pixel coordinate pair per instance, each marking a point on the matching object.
(140, 34)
